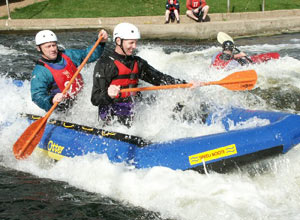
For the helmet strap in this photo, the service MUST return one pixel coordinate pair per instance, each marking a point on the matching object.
(121, 46)
(41, 51)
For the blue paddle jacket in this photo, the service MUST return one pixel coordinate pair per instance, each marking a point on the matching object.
(42, 81)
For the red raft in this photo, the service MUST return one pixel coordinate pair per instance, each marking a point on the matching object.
(254, 59)
(264, 57)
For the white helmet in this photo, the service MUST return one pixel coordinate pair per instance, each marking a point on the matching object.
(45, 36)
(126, 31)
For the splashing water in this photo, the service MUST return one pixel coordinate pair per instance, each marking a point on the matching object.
(265, 190)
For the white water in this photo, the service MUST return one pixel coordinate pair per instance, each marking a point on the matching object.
(185, 195)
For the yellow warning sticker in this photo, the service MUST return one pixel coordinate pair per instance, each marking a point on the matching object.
(213, 154)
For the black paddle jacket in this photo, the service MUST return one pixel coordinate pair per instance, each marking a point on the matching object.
(106, 70)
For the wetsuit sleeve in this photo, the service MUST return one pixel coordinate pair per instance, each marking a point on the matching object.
(40, 84)
(103, 75)
(77, 55)
(155, 77)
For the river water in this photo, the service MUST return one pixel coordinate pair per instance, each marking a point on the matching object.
(91, 187)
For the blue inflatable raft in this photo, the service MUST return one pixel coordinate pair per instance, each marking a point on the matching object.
(212, 152)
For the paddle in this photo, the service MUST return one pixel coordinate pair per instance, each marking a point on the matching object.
(238, 81)
(27, 142)
(222, 37)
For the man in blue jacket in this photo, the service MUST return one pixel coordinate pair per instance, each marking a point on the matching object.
(55, 69)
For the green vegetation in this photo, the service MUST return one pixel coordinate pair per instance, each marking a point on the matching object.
(121, 8)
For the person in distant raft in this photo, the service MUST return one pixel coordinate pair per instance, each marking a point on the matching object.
(55, 69)
(227, 59)
(172, 11)
(121, 69)
(197, 10)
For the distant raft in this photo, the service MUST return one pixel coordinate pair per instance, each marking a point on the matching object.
(254, 59)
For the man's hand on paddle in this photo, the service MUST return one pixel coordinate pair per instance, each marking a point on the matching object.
(58, 98)
(240, 55)
(113, 91)
(104, 34)
(196, 84)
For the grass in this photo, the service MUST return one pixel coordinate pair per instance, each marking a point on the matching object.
(124, 8)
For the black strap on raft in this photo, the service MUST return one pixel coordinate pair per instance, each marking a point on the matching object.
(140, 142)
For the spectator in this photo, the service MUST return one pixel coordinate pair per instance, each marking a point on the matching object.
(197, 10)
(172, 11)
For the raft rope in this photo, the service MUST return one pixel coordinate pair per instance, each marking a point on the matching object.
(204, 166)
(140, 142)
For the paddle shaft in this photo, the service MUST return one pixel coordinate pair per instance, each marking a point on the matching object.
(82, 65)
(224, 82)
(44, 119)
(248, 58)
(177, 86)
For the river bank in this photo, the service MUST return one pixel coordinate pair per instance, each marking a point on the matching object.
(153, 27)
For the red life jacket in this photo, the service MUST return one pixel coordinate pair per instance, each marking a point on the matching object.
(174, 3)
(126, 78)
(219, 63)
(198, 3)
(63, 76)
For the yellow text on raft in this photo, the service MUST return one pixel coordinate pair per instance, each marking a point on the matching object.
(213, 154)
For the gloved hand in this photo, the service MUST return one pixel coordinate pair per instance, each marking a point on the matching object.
(243, 61)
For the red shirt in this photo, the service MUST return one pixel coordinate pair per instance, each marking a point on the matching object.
(193, 4)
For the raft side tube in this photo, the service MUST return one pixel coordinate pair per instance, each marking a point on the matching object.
(282, 135)
(241, 145)
(264, 57)
(63, 142)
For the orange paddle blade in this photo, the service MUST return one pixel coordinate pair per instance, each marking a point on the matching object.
(27, 142)
(243, 80)
(238, 81)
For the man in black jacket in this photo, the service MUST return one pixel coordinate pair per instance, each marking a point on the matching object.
(121, 69)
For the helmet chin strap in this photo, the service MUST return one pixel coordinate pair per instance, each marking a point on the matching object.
(121, 46)
(41, 51)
